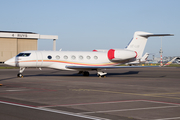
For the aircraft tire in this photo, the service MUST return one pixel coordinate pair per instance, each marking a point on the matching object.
(85, 73)
(101, 76)
(20, 75)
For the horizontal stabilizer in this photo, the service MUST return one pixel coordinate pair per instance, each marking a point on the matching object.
(154, 35)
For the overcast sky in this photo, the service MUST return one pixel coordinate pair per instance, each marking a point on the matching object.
(95, 24)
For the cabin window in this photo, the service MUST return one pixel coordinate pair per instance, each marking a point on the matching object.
(65, 57)
(57, 57)
(73, 57)
(88, 57)
(95, 57)
(23, 54)
(80, 57)
(49, 57)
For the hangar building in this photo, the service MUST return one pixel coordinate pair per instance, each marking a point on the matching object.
(12, 43)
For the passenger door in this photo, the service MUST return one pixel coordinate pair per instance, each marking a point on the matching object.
(39, 59)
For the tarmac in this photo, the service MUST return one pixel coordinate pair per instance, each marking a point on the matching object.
(125, 94)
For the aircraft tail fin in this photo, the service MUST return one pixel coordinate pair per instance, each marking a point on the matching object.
(144, 58)
(139, 40)
(168, 63)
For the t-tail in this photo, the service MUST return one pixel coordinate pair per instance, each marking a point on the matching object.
(139, 40)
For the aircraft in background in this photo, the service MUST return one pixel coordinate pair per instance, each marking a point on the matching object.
(139, 61)
(84, 61)
(175, 58)
(178, 60)
(168, 63)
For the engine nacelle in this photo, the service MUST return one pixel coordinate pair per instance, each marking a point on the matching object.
(120, 55)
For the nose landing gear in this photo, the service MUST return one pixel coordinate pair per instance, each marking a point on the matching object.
(20, 75)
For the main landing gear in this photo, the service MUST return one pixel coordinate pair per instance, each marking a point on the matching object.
(20, 75)
(101, 74)
(85, 73)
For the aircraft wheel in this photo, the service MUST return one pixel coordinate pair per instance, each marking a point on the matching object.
(86, 73)
(101, 76)
(20, 75)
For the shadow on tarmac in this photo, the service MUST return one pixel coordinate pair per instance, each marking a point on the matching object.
(54, 73)
(7, 78)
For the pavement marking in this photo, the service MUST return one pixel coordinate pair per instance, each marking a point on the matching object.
(150, 95)
(55, 111)
(79, 104)
(93, 90)
(111, 102)
(122, 110)
(166, 97)
(162, 93)
(15, 90)
(161, 102)
(169, 118)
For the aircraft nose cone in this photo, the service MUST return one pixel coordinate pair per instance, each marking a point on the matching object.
(10, 62)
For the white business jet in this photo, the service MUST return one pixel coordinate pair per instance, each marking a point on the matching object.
(84, 61)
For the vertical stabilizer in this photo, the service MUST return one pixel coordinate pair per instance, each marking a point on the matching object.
(139, 40)
(144, 58)
(138, 43)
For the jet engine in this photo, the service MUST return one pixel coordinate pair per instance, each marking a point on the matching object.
(121, 54)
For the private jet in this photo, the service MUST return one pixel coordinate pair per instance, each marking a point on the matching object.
(85, 61)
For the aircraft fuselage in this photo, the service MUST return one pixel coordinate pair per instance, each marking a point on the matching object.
(61, 59)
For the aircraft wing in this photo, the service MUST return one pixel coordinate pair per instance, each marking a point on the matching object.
(103, 67)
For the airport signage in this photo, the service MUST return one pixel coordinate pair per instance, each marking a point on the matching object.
(26, 35)
(19, 35)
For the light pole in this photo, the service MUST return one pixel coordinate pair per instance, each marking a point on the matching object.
(161, 53)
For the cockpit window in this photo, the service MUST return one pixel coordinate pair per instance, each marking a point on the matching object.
(23, 54)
